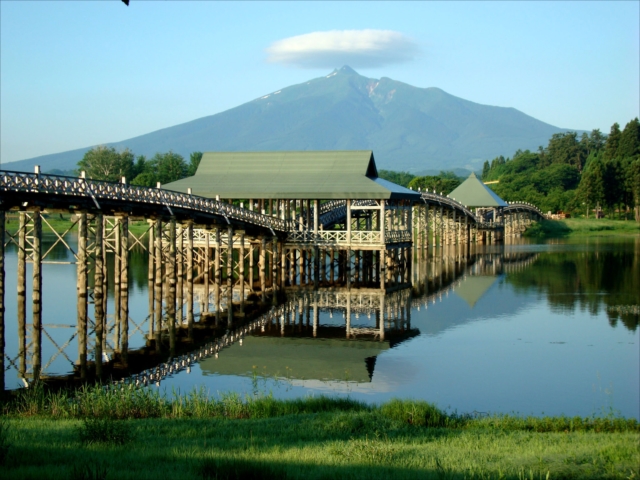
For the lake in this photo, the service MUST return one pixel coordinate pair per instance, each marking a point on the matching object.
(532, 328)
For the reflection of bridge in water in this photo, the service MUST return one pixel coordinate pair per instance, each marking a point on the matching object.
(210, 256)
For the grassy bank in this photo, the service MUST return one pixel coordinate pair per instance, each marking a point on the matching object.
(138, 434)
(574, 227)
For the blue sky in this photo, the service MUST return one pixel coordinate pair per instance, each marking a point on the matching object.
(75, 74)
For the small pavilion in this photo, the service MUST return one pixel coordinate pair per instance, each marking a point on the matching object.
(475, 194)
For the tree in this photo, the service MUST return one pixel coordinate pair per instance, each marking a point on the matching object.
(105, 163)
(444, 183)
(591, 188)
(169, 167)
(485, 169)
(613, 140)
(629, 145)
(194, 163)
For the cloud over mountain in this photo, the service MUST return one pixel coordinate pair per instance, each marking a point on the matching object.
(358, 48)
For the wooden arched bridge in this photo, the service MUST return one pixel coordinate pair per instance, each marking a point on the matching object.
(205, 254)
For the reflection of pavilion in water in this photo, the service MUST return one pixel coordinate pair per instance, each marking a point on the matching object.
(294, 344)
(357, 324)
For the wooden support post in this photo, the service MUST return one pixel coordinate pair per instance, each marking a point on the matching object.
(171, 286)
(230, 275)
(124, 289)
(206, 271)
(381, 314)
(251, 264)
(116, 283)
(241, 259)
(189, 279)
(274, 270)
(98, 291)
(82, 284)
(36, 295)
(262, 266)
(218, 274)
(180, 274)
(158, 285)
(22, 294)
(2, 329)
(316, 266)
(349, 222)
(150, 274)
(283, 265)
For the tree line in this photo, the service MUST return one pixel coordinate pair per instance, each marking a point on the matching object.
(575, 174)
(105, 163)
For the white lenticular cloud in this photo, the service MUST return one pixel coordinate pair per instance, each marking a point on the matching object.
(356, 48)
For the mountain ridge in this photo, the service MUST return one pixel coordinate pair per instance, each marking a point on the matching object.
(407, 127)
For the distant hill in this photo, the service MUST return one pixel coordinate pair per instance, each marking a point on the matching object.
(408, 128)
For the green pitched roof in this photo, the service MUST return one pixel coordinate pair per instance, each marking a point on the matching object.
(296, 175)
(473, 193)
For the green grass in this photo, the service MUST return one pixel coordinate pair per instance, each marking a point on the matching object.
(578, 227)
(62, 435)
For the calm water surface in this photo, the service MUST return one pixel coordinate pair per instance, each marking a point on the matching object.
(531, 328)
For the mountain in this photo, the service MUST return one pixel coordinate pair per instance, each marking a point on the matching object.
(408, 128)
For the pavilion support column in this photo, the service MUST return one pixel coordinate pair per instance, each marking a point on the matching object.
(230, 234)
(349, 222)
(158, 284)
(171, 284)
(22, 294)
(189, 279)
(124, 288)
(262, 266)
(36, 295)
(82, 284)
(218, 274)
(331, 266)
(98, 291)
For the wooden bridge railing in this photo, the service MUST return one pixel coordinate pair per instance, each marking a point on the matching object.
(59, 185)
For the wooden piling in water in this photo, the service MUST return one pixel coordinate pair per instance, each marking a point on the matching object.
(124, 288)
(22, 295)
(2, 329)
(171, 284)
(82, 284)
(230, 234)
(189, 279)
(157, 294)
(98, 291)
(36, 295)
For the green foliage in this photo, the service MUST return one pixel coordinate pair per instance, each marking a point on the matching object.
(574, 175)
(104, 430)
(88, 471)
(443, 183)
(4, 442)
(418, 413)
(548, 229)
(105, 163)
(194, 162)
(400, 178)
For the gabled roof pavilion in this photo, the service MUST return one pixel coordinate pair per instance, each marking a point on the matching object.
(473, 193)
(342, 174)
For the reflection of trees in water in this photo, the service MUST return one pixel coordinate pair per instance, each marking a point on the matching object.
(590, 281)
